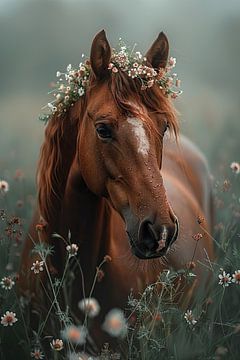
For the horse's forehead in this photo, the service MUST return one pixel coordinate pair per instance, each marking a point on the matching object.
(138, 130)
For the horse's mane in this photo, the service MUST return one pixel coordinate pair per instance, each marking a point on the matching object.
(61, 134)
(56, 156)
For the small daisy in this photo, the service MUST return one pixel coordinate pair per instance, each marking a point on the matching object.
(188, 316)
(197, 236)
(236, 277)
(90, 306)
(37, 354)
(115, 323)
(75, 334)
(224, 279)
(4, 187)
(172, 62)
(7, 283)
(72, 249)
(8, 319)
(57, 344)
(37, 267)
(235, 166)
(81, 91)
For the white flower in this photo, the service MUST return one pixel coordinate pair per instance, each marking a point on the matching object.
(138, 55)
(57, 344)
(58, 74)
(236, 277)
(72, 249)
(172, 62)
(52, 107)
(90, 306)
(9, 318)
(75, 334)
(37, 354)
(81, 91)
(69, 67)
(235, 166)
(37, 267)
(7, 283)
(188, 316)
(4, 187)
(225, 279)
(115, 323)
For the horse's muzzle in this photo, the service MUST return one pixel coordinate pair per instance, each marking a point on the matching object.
(151, 243)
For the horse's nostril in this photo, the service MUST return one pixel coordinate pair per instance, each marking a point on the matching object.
(147, 236)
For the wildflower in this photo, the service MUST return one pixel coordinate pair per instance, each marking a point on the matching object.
(191, 265)
(225, 279)
(75, 334)
(52, 107)
(7, 283)
(115, 323)
(57, 344)
(72, 250)
(40, 227)
(69, 67)
(150, 83)
(235, 166)
(90, 306)
(107, 258)
(172, 62)
(178, 83)
(226, 185)
(37, 267)
(9, 318)
(81, 91)
(200, 219)
(4, 187)
(197, 236)
(236, 277)
(37, 354)
(114, 69)
(188, 316)
(158, 317)
(100, 274)
(58, 74)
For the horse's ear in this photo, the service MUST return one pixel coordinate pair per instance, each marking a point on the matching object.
(157, 55)
(100, 55)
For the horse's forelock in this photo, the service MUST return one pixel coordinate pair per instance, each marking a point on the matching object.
(124, 88)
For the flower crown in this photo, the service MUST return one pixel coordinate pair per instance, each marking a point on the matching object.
(73, 83)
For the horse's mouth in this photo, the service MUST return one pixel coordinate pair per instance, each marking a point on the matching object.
(140, 251)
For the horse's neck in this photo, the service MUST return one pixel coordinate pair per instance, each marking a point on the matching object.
(88, 219)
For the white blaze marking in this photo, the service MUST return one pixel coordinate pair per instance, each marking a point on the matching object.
(138, 129)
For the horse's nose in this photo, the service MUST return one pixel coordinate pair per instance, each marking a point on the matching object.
(154, 240)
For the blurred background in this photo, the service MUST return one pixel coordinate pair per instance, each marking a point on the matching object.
(39, 37)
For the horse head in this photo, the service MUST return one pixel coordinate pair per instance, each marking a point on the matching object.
(120, 148)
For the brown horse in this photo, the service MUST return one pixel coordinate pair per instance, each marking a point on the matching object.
(107, 174)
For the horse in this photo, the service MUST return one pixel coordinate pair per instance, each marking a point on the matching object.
(108, 174)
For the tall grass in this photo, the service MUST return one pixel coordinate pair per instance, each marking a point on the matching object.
(153, 326)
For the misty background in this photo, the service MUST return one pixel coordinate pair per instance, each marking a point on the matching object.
(39, 37)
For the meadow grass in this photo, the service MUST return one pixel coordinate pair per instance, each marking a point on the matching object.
(153, 326)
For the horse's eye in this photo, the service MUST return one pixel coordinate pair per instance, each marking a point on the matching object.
(104, 131)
